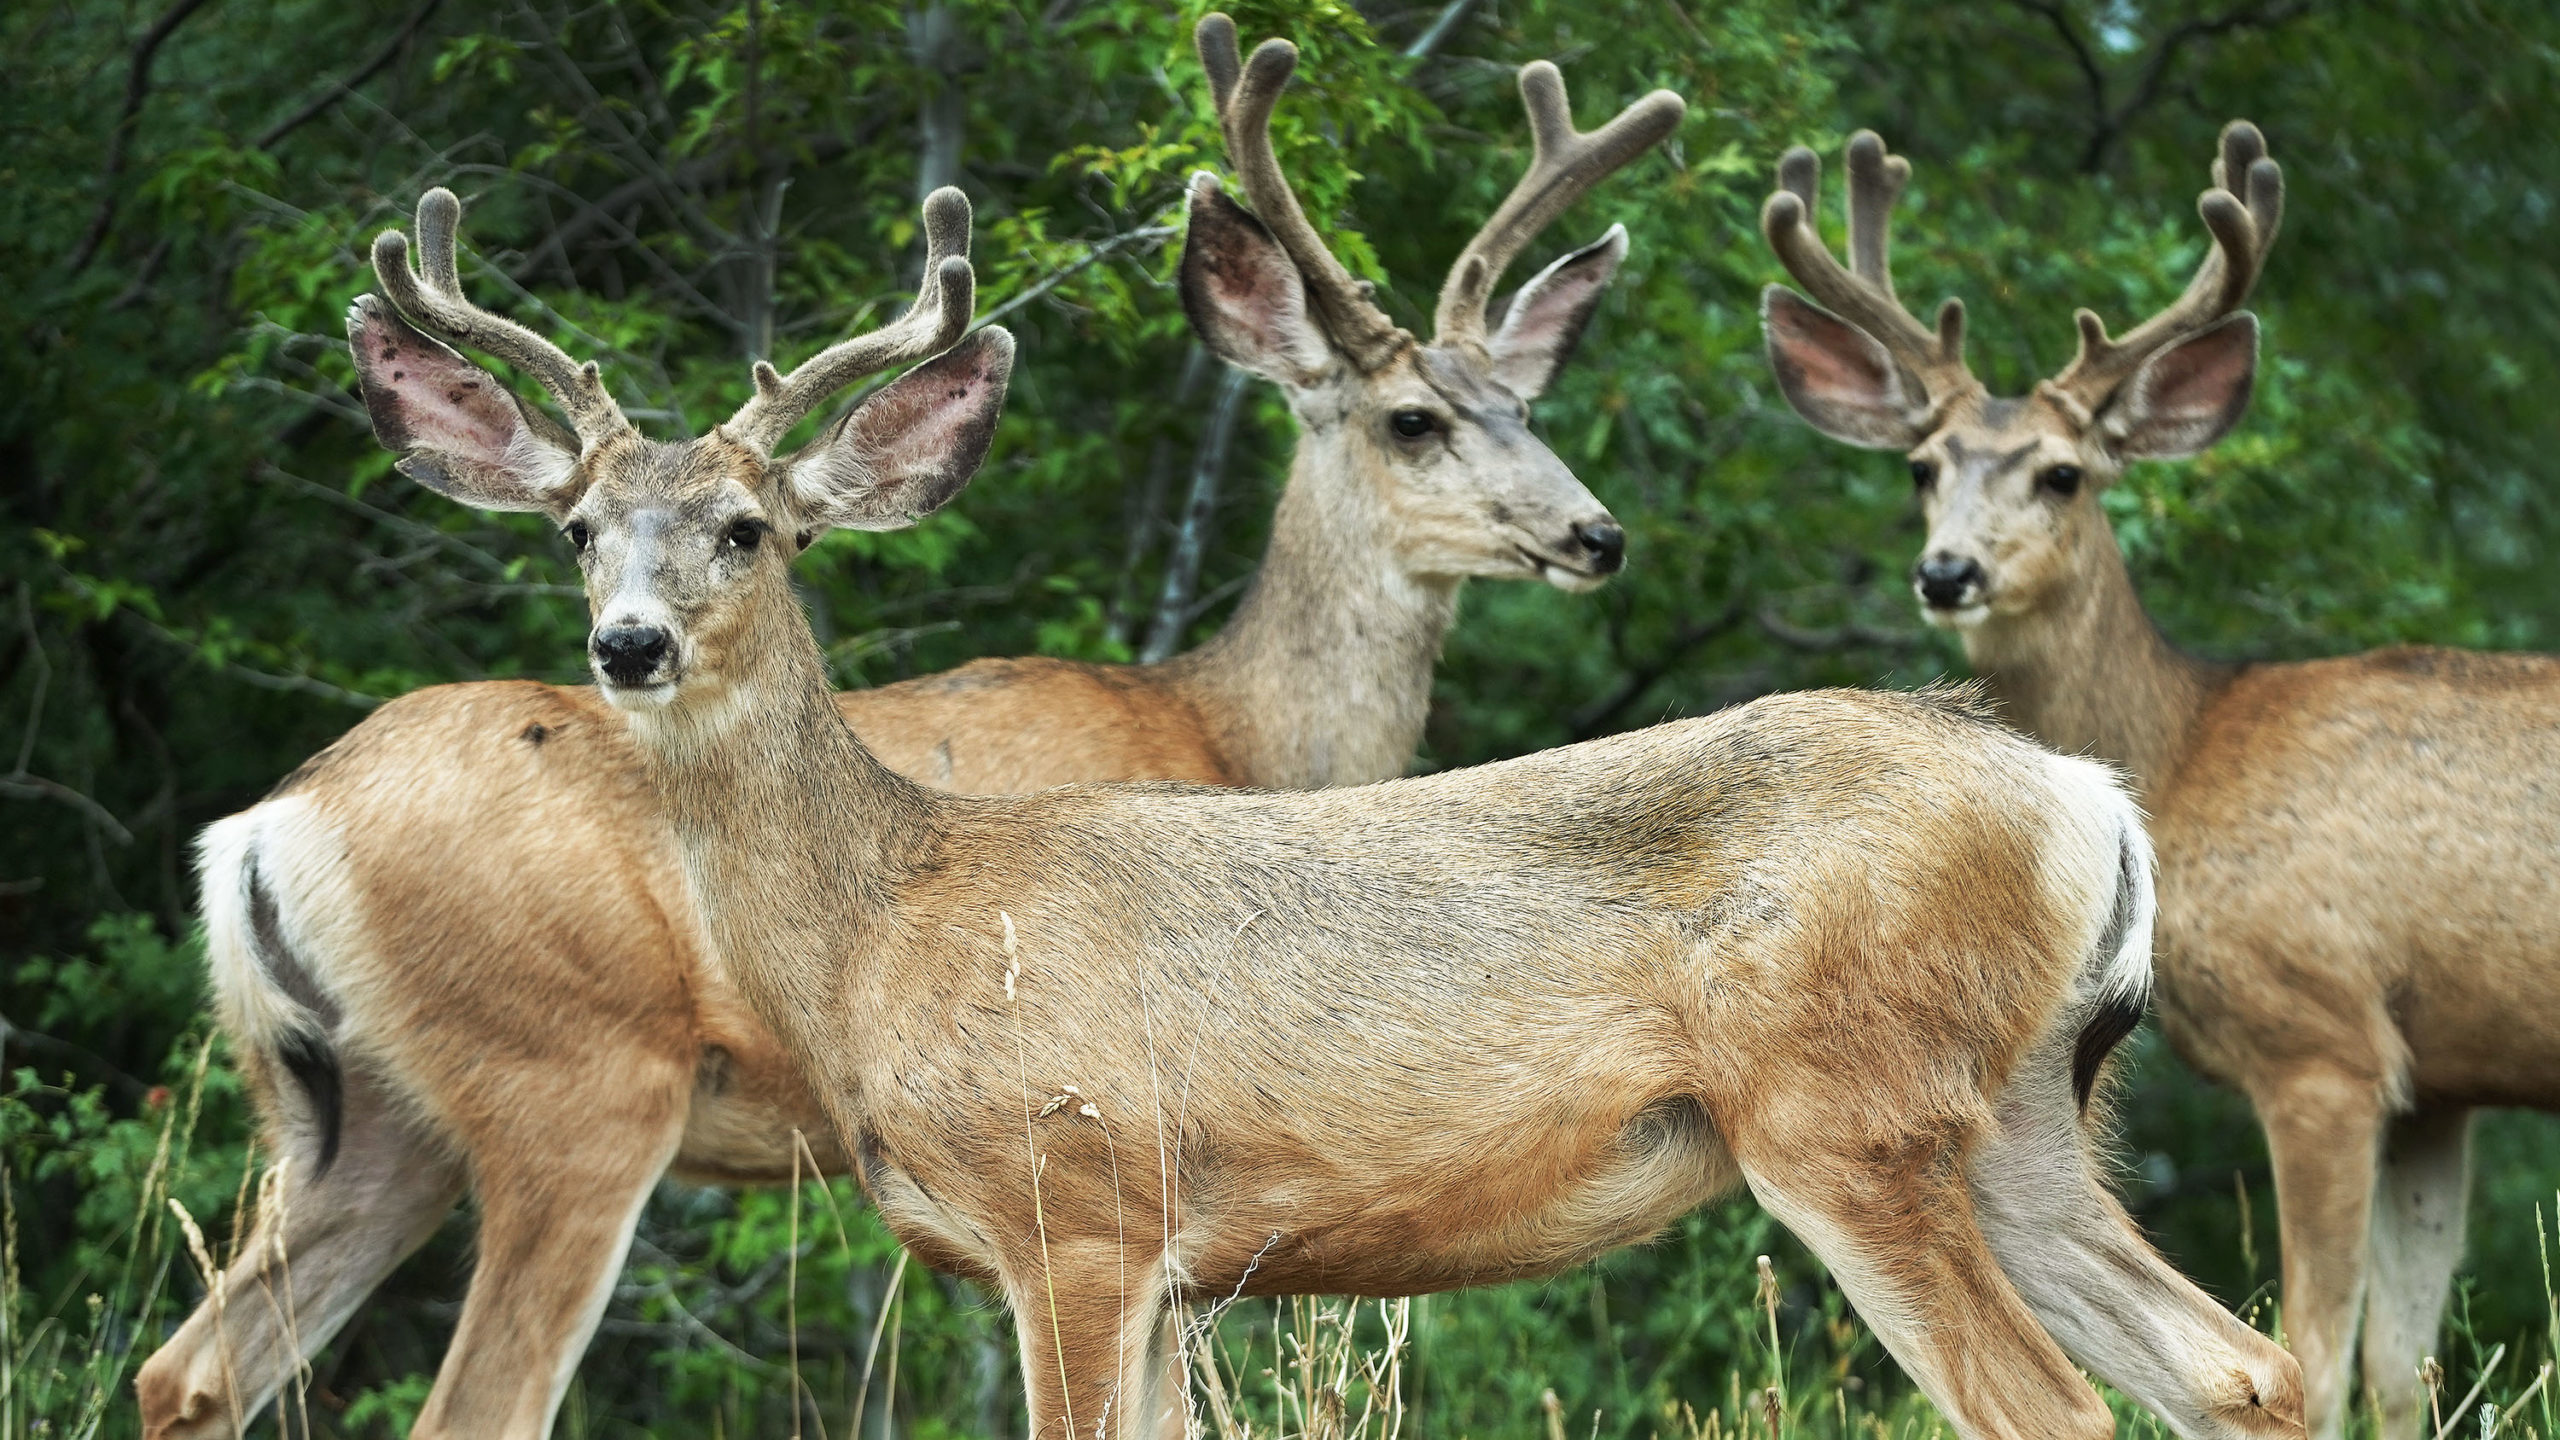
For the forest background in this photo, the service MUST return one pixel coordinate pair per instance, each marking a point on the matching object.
(208, 569)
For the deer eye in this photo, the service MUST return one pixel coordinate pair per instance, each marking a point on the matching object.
(580, 537)
(1924, 473)
(1411, 424)
(745, 535)
(2062, 480)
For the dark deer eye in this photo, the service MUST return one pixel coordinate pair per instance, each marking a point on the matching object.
(1924, 473)
(580, 537)
(745, 535)
(2062, 480)
(1411, 424)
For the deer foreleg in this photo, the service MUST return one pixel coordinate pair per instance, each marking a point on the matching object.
(2419, 1199)
(2323, 1132)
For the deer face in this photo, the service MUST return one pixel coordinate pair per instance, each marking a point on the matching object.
(1431, 445)
(2008, 489)
(1428, 444)
(684, 546)
(681, 543)
(2010, 486)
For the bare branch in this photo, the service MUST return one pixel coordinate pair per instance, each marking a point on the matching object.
(1604, 710)
(1437, 33)
(137, 88)
(346, 84)
(401, 523)
(1191, 542)
(1100, 250)
(67, 1056)
(2108, 123)
(1854, 635)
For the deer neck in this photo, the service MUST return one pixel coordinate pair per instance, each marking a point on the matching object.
(790, 832)
(1323, 675)
(2092, 675)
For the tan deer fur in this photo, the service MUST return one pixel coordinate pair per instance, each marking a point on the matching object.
(2358, 913)
(1114, 1048)
(573, 980)
(1439, 1031)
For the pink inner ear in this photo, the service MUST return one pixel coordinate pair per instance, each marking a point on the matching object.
(1829, 360)
(1557, 305)
(424, 396)
(2201, 376)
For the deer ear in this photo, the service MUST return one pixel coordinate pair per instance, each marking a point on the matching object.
(1838, 377)
(2188, 396)
(1544, 320)
(909, 447)
(1245, 297)
(456, 429)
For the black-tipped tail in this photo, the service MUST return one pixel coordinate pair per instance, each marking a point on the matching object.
(2115, 1018)
(307, 1057)
(304, 1050)
(2120, 1010)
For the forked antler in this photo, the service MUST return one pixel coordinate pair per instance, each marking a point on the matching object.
(1245, 92)
(1564, 165)
(435, 302)
(1863, 293)
(2242, 232)
(933, 324)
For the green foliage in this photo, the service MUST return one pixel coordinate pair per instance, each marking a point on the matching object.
(208, 569)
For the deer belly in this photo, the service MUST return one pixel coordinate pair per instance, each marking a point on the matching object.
(1524, 1203)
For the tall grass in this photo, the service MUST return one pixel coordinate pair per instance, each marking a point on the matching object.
(1798, 1368)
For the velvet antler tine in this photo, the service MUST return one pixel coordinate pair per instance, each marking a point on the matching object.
(2243, 230)
(1862, 292)
(932, 324)
(435, 302)
(1246, 95)
(1565, 164)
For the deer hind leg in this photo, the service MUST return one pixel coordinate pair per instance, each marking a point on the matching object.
(2418, 1212)
(1892, 1218)
(2324, 1130)
(562, 1174)
(1096, 1355)
(343, 1229)
(2102, 1291)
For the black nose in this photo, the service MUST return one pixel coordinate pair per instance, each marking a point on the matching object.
(1606, 542)
(629, 654)
(1947, 581)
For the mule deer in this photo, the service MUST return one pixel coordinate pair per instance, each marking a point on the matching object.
(575, 980)
(2356, 895)
(1860, 951)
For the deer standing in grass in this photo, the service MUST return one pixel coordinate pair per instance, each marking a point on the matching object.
(477, 922)
(1110, 1049)
(2360, 924)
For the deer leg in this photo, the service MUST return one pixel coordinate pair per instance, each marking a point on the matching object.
(2418, 1212)
(559, 1198)
(1095, 1356)
(1893, 1220)
(2103, 1292)
(342, 1230)
(2323, 1131)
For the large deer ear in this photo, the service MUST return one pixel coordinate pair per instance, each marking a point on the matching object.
(2187, 396)
(456, 429)
(1245, 297)
(1838, 377)
(908, 448)
(1544, 321)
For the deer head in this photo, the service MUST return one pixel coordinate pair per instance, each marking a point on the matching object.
(679, 540)
(2010, 485)
(1431, 439)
